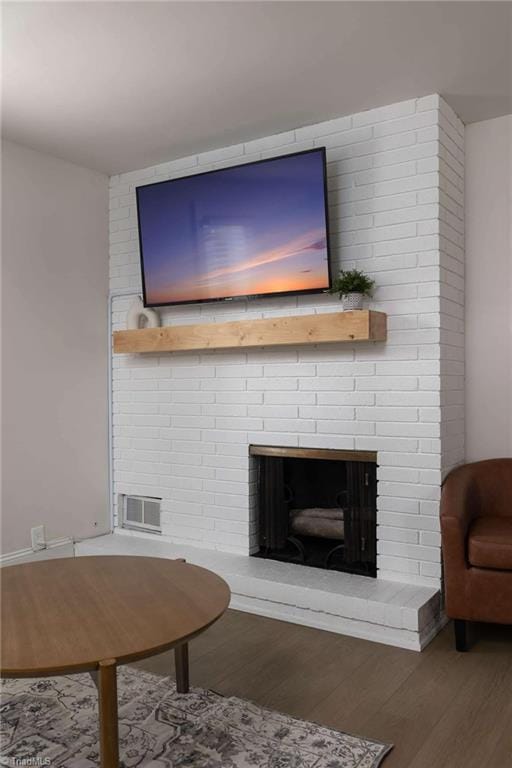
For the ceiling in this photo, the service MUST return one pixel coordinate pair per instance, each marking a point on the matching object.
(122, 85)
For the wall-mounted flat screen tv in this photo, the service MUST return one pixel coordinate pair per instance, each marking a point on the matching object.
(257, 229)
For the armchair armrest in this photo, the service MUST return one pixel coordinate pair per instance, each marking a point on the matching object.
(459, 507)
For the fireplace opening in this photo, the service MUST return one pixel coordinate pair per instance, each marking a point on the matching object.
(317, 507)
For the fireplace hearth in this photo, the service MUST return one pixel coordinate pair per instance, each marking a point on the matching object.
(317, 507)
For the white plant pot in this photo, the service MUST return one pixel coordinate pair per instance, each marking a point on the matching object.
(352, 301)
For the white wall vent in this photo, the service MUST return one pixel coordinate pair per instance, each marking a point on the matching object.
(142, 513)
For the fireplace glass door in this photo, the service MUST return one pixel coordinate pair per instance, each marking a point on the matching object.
(319, 512)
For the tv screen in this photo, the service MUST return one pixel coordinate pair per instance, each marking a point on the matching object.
(257, 229)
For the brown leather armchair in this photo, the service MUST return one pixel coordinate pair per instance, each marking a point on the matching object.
(476, 534)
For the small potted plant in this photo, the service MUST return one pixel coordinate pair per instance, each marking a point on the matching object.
(352, 286)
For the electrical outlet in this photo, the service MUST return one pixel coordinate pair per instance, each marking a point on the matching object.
(38, 537)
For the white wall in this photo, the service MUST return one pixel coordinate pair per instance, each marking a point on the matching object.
(489, 289)
(54, 336)
(183, 422)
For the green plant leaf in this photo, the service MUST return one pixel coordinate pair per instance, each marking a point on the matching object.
(352, 281)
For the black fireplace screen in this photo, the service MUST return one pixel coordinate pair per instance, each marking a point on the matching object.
(318, 512)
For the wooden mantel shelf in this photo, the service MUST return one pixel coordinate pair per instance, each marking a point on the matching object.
(358, 325)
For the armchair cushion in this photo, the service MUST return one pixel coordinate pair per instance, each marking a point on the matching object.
(490, 543)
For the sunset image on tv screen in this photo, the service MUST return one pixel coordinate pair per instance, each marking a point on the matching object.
(253, 229)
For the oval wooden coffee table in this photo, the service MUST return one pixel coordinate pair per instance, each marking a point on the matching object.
(89, 614)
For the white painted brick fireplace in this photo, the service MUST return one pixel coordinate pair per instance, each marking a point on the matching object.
(183, 423)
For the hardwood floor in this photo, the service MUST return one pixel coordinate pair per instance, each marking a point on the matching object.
(440, 708)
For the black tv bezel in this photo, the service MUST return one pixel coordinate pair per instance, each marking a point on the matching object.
(248, 296)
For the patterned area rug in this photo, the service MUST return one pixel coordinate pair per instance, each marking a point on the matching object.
(53, 721)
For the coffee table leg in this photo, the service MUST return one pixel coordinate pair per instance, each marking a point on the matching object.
(181, 663)
(109, 729)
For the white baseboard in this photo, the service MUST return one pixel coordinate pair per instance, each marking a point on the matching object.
(63, 547)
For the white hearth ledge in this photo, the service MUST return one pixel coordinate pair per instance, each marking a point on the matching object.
(390, 612)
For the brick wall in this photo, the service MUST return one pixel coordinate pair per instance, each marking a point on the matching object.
(182, 423)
